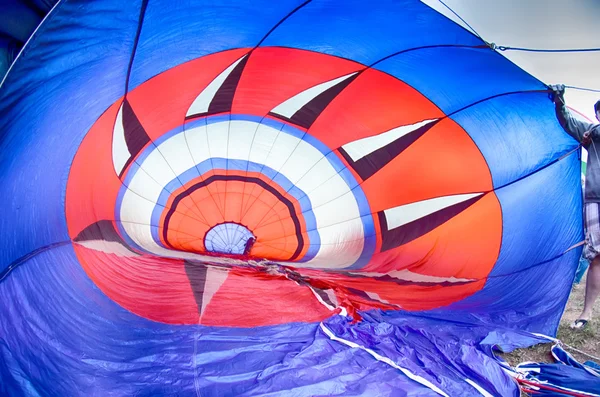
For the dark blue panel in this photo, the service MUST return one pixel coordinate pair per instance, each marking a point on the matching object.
(453, 78)
(43, 6)
(542, 218)
(108, 350)
(17, 19)
(552, 198)
(60, 335)
(517, 134)
(46, 111)
(9, 49)
(179, 31)
(365, 31)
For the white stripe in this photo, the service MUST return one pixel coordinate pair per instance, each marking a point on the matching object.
(120, 152)
(407, 213)
(545, 337)
(407, 275)
(376, 297)
(108, 247)
(321, 301)
(214, 280)
(362, 147)
(386, 360)
(479, 388)
(292, 105)
(202, 101)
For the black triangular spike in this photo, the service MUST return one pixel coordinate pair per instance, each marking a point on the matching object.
(415, 229)
(197, 274)
(368, 165)
(223, 99)
(135, 134)
(101, 230)
(307, 114)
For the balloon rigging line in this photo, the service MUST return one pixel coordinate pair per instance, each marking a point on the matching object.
(281, 21)
(289, 14)
(445, 117)
(16, 263)
(547, 50)
(197, 170)
(551, 388)
(579, 351)
(465, 22)
(131, 60)
(31, 37)
(582, 88)
(493, 46)
(135, 44)
(142, 13)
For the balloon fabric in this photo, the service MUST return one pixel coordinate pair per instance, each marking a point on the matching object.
(237, 198)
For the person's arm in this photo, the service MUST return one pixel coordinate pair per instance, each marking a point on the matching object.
(575, 128)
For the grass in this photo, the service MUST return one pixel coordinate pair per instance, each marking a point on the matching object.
(585, 340)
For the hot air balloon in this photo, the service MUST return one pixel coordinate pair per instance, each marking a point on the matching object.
(276, 198)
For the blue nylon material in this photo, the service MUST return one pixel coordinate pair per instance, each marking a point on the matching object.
(358, 31)
(567, 373)
(17, 19)
(60, 335)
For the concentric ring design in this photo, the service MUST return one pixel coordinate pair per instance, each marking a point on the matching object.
(228, 238)
(344, 172)
(308, 172)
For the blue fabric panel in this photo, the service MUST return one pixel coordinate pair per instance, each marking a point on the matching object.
(559, 376)
(43, 6)
(37, 115)
(532, 278)
(443, 76)
(115, 352)
(60, 335)
(9, 48)
(516, 133)
(17, 19)
(177, 32)
(360, 31)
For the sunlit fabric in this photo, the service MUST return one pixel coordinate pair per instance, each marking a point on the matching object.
(275, 198)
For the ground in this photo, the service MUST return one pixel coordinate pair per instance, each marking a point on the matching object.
(585, 340)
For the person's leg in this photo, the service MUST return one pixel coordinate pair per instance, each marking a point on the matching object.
(592, 289)
(581, 269)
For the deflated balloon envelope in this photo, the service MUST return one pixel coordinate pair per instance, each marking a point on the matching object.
(250, 165)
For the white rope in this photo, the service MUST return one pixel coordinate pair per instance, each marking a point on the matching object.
(561, 343)
(385, 360)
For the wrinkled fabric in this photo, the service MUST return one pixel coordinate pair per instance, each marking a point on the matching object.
(567, 377)
(438, 217)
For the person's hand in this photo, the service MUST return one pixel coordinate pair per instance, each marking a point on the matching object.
(587, 138)
(557, 92)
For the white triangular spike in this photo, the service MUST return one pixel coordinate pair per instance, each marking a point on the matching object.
(215, 278)
(108, 247)
(404, 214)
(362, 147)
(292, 105)
(202, 101)
(407, 275)
(120, 152)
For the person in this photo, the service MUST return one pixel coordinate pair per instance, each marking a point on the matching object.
(588, 135)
